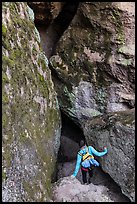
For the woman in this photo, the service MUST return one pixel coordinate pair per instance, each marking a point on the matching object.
(86, 161)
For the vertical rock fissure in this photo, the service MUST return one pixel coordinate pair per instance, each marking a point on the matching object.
(49, 38)
(50, 35)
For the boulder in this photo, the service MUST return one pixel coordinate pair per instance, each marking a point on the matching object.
(70, 189)
(116, 131)
(94, 64)
(31, 124)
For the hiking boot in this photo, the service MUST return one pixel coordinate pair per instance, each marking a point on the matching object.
(89, 180)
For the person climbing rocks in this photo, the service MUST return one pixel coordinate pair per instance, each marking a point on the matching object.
(86, 161)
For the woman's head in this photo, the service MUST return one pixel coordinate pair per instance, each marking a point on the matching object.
(82, 143)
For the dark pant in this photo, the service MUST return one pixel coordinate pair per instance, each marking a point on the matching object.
(84, 173)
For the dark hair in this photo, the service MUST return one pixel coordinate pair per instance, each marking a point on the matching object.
(82, 143)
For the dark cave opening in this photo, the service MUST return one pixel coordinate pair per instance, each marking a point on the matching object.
(62, 21)
(71, 135)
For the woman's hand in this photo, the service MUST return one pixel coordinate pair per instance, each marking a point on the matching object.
(105, 149)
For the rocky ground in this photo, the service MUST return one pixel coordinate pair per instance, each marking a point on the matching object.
(101, 189)
(65, 189)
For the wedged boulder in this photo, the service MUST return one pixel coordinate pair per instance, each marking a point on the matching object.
(116, 131)
(94, 64)
(31, 124)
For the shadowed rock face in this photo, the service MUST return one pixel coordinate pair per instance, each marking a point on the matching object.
(117, 132)
(94, 62)
(58, 17)
(31, 122)
(94, 73)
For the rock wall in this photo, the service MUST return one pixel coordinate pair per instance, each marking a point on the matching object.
(31, 123)
(116, 131)
(94, 73)
(94, 64)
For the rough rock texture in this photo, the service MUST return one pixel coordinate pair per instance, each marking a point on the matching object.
(45, 12)
(117, 132)
(55, 18)
(30, 114)
(68, 189)
(94, 64)
(94, 73)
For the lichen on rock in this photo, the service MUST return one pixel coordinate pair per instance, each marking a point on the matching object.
(30, 115)
(98, 48)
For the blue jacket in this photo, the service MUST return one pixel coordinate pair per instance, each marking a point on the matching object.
(92, 152)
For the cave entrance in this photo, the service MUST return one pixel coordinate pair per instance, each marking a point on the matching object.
(71, 135)
(51, 34)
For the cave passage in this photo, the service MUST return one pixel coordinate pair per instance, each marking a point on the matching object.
(71, 135)
(50, 35)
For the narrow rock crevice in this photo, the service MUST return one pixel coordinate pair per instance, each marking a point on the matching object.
(50, 35)
(71, 134)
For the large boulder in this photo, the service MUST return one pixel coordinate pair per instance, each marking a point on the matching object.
(94, 65)
(117, 132)
(69, 189)
(31, 124)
